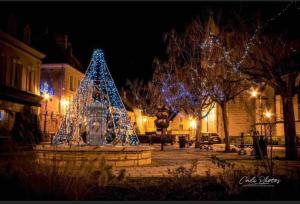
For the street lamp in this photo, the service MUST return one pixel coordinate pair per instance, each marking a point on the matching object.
(46, 97)
(268, 115)
(254, 94)
(65, 103)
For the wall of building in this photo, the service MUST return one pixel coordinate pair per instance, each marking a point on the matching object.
(141, 123)
(209, 123)
(241, 114)
(181, 124)
(19, 70)
(59, 77)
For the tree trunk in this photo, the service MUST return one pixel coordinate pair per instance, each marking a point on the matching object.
(289, 127)
(198, 129)
(225, 125)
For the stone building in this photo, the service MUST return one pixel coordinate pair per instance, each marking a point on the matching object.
(62, 72)
(20, 67)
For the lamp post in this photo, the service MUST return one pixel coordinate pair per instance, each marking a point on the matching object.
(46, 98)
(268, 115)
(65, 104)
(255, 94)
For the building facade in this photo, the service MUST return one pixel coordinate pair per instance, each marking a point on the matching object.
(20, 69)
(245, 114)
(180, 124)
(60, 78)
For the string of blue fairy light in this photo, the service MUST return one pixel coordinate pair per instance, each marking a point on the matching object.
(209, 43)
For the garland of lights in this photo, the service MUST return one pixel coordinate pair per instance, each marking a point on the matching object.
(97, 95)
(171, 98)
(213, 40)
(46, 89)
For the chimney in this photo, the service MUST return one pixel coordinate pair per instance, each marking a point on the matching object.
(12, 25)
(27, 34)
(62, 40)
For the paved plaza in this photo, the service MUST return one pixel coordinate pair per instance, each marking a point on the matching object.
(173, 157)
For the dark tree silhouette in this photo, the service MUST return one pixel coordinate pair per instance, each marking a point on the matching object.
(275, 60)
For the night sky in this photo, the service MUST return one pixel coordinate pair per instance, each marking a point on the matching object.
(131, 34)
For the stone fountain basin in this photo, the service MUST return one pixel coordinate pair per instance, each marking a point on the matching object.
(117, 156)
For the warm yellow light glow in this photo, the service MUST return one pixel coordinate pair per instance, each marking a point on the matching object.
(268, 114)
(46, 96)
(144, 119)
(64, 102)
(193, 123)
(254, 93)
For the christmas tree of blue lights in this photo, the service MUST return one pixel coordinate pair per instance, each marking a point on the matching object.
(97, 115)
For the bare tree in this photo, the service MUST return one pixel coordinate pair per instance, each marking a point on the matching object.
(145, 96)
(202, 68)
(275, 60)
(222, 53)
(181, 79)
(134, 93)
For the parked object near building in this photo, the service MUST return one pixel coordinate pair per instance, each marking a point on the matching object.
(213, 138)
(182, 141)
(205, 142)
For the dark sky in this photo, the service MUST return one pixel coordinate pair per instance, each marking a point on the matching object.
(131, 34)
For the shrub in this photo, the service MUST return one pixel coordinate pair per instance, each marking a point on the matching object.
(23, 178)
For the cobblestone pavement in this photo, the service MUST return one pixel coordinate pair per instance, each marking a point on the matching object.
(172, 157)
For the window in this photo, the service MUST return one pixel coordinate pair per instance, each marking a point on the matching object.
(180, 126)
(279, 109)
(12, 72)
(30, 80)
(71, 83)
(298, 105)
(2, 69)
(18, 76)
